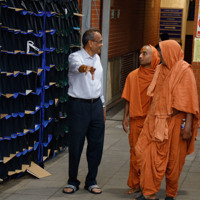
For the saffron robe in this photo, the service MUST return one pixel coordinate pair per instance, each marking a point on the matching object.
(135, 92)
(160, 148)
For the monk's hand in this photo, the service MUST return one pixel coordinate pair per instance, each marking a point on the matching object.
(125, 124)
(92, 70)
(186, 133)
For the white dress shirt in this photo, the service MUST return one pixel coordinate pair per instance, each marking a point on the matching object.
(81, 85)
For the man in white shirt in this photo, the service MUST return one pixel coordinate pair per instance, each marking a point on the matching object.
(86, 111)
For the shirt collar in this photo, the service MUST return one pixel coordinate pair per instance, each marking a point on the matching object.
(86, 55)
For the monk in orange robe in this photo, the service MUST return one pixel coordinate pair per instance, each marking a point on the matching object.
(165, 139)
(137, 103)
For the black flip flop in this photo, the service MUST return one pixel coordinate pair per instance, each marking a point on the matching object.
(91, 187)
(74, 189)
(169, 198)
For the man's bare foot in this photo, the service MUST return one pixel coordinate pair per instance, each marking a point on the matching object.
(97, 190)
(68, 190)
(132, 191)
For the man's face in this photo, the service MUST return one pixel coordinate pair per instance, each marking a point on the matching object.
(145, 56)
(97, 43)
(161, 58)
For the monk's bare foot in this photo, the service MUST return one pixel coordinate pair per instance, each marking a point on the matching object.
(150, 197)
(132, 191)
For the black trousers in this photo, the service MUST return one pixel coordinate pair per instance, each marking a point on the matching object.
(86, 120)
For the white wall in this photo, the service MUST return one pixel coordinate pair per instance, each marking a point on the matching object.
(172, 3)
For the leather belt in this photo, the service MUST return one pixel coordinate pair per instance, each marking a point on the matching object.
(85, 100)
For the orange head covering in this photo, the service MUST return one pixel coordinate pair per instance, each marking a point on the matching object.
(135, 89)
(155, 59)
(145, 76)
(171, 52)
(178, 90)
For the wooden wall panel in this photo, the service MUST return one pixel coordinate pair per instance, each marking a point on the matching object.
(126, 32)
(151, 22)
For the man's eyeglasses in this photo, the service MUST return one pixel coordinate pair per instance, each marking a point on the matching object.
(99, 42)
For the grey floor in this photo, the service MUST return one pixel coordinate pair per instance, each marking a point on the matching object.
(112, 176)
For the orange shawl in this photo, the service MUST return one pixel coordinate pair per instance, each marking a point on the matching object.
(179, 90)
(135, 89)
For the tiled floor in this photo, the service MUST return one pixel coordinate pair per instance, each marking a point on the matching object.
(112, 175)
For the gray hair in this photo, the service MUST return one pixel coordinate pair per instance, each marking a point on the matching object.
(88, 35)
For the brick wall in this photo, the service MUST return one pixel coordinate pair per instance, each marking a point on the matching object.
(96, 10)
(195, 65)
(96, 14)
